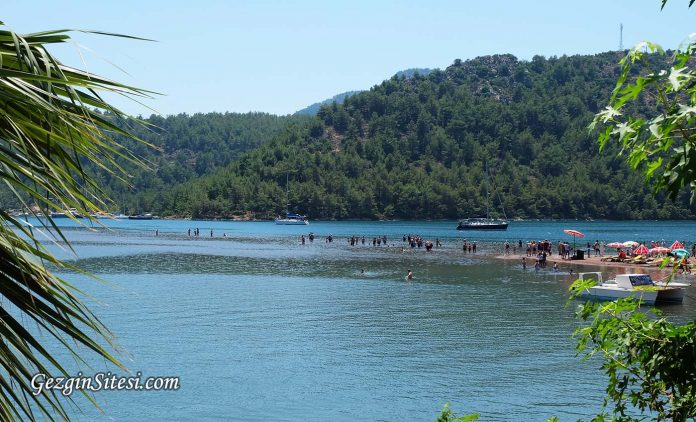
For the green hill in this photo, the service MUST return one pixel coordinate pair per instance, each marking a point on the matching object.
(415, 148)
(186, 147)
(412, 147)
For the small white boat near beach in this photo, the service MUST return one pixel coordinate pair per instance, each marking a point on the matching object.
(638, 286)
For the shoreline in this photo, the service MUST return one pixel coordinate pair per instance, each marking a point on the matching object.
(593, 261)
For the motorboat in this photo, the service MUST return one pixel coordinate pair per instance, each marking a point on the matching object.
(659, 283)
(638, 286)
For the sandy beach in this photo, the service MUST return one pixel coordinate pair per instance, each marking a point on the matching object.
(565, 265)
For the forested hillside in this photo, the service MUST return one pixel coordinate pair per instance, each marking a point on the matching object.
(192, 146)
(412, 147)
(416, 148)
(185, 147)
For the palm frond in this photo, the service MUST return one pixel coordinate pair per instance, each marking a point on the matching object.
(52, 121)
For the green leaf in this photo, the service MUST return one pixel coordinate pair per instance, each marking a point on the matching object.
(51, 122)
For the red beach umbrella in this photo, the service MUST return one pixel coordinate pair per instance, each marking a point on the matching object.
(573, 233)
(659, 249)
(641, 250)
(615, 245)
(676, 245)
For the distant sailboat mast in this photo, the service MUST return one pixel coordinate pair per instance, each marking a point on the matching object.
(485, 223)
(287, 194)
(488, 195)
(290, 218)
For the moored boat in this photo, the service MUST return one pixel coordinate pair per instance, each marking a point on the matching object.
(482, 224)
(147, 216)
(638, 286)
(486, 223)
(70, 213)
(292, 219)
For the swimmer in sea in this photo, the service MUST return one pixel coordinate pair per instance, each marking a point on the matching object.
(409, 276)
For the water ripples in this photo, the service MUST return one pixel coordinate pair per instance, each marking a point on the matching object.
(264, 329)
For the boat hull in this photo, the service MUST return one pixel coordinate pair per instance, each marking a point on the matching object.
(647, 297)
(291, 222)
(72, 214)
(671, 295)
(502, 226)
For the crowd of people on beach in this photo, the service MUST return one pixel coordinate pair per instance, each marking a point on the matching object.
(540, 250)
(537, 250)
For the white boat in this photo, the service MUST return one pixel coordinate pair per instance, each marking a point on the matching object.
(672, 283)
(147, 216)
(661, 283)
(638, 286)
(290, 219)
(71, 212)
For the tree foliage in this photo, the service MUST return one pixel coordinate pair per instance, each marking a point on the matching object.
(177, 149)
(410, 148)
(664, 145)
(414, 148)
(447, 415)
(650, 361)
(51, 124)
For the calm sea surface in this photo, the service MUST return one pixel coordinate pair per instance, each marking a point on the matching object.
(259, 327)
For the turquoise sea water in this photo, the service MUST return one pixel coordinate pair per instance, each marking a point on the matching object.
(259, 327)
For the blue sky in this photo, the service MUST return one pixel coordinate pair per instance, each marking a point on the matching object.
(280, 56)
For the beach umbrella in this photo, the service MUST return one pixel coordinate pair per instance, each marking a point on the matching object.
(641, 250)
(680, 252)
(630, 244)
(659, 249)
(615, 245)
(676, 245)
(573, 233)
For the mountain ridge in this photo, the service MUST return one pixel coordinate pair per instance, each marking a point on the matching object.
(415, 148)
(313, 109)
(409, 148)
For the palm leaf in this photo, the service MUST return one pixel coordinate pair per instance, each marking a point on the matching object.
(52, 121)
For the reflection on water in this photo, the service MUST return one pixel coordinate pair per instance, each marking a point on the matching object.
(259, 327)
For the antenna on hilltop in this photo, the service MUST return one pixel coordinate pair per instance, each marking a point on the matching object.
(621, 37)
